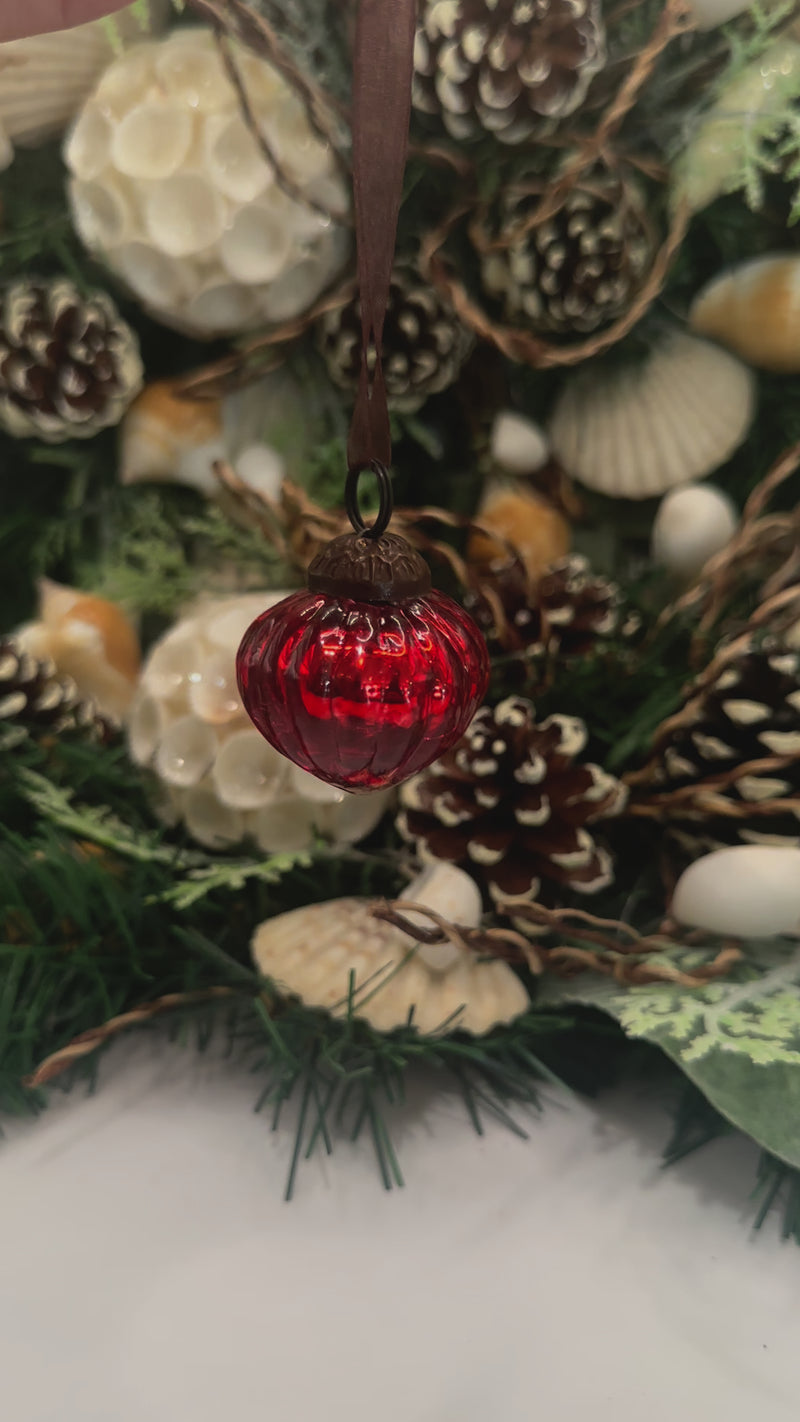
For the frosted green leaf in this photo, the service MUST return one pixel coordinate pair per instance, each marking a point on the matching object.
(738, 1039)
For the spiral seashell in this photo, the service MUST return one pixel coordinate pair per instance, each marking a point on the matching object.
(165, 437)
(673, 417)
(88, 639)
(214, 772)
(338, 957)
(754, 310)
(45, 79)
(170, 186)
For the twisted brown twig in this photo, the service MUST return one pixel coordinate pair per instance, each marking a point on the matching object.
(87, 1042)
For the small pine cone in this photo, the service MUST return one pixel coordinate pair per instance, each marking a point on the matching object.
(424, 344)
(578, 270)
(69, 365)
(509, 67)
(511, 804)
(565, 614)
(745, 709)
(34, 697)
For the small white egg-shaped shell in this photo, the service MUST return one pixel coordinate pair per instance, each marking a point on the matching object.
(247, 771)
(746, 891)
(186, 752)
(211, 823)
(693, 522)
(213, 693)
(517, 444)
(453, 895)
(262, 469)
(313, 951)
(672, 418)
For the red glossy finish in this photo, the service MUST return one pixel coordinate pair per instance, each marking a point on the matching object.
(361, 694)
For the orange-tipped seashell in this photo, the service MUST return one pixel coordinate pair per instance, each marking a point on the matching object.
(533, 528)
(90, 640)
(754, 310)
(166, 437)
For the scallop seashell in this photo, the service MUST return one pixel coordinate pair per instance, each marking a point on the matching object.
(90, 640)
(165, 437)
(538, 532)
(754, 310)
(338, 957)
(170, 187)
(693, 522)
(211, 769)
(673, 417)
(748, 891)
(45, 79)
(452, 894)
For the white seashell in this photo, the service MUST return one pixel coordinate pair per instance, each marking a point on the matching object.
(169, 185)
(262, 469)
(338, 957)
(45, 79)
(91, 641)
(517, 444)
(754, 310)
(747, 891)
(188, 724)
(693, 522)
(452, 894)
(670, 418)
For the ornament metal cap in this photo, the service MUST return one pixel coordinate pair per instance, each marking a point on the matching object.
(369, 565)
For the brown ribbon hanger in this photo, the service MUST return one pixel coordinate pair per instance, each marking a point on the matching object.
(382, 76)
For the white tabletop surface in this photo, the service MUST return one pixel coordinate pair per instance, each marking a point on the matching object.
(149, 1271)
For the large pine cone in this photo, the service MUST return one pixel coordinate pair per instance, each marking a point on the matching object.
(713, 776)
(575, 272)
(565, 614)
(507, 66)
(69, 365)
(39, 701)
(511, 804)
(424, 344)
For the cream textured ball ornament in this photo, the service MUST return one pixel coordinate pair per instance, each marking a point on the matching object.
(169, 186)
(217, 775)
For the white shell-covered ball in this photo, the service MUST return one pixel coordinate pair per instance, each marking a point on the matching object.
(44, 79)
(171, 189)
(217, 774)
(746, 891)
(693, 523)
(336, 955)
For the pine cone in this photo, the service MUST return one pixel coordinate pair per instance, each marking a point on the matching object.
(511, 67)
(35, 698)
(424, 344)
(578, 270)
(69, 365)
(713, 756)
(511, 804)
(564, 614)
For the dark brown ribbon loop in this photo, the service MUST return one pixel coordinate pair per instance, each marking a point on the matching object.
(383, 67)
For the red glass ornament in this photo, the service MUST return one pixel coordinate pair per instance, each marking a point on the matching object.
(367, 676)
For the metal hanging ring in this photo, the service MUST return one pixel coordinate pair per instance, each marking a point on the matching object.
(372, 530)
